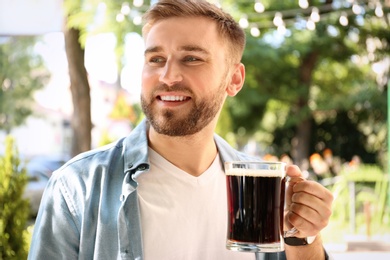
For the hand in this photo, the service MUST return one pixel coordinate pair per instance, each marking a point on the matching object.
(308, 204)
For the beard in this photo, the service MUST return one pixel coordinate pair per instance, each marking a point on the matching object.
(176, 123)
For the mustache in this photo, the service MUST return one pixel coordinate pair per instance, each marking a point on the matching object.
(179, 87)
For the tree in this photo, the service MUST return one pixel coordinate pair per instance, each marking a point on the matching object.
(304, 77)
(14, 209)
(81, 120)
(22, 72)
(81, 22)
(79, 86)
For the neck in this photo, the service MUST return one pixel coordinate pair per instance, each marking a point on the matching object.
(193, 154)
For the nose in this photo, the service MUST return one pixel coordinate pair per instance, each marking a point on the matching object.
(171, 73)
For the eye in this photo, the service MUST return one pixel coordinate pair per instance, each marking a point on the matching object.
(190, 59)
(156, 60)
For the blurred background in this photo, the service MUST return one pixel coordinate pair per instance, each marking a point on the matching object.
(316, 95)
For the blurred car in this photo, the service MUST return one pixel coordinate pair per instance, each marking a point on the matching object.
(39, 170)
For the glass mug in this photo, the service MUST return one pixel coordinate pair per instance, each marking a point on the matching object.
(256, 194)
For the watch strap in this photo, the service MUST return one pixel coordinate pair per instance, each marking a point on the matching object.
(296, 241)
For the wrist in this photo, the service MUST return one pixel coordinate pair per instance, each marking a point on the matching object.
(315, 250)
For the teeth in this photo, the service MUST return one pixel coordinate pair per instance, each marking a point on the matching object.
(173, 98)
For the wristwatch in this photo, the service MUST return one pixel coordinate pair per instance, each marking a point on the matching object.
(296, 241)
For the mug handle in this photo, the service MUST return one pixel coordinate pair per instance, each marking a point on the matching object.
(292, 232)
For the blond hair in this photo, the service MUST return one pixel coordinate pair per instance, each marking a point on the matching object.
(227, 26)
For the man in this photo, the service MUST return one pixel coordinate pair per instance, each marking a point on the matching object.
(160, 193)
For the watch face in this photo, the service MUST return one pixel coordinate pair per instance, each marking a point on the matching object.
(311, 239)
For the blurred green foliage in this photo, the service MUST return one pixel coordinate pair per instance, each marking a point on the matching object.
(368, 185)
(14, 209)
(322, 79)
(21, 73)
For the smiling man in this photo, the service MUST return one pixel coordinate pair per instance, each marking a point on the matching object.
(160, 193)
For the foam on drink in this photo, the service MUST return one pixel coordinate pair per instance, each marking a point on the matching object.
(255, 172)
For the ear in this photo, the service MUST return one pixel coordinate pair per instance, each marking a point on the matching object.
(237, 80)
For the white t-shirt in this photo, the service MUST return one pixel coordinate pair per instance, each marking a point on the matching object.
(182, 216)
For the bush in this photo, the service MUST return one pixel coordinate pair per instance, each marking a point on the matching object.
(14, 209)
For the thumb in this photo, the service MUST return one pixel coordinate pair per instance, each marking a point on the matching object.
(294, 171)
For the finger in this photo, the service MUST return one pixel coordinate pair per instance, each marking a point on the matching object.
(305, 228)
(293, 171)
(308, 206)
(311, 207)
(308, 220)
(294, 176)
(313, 188)
(308, 213)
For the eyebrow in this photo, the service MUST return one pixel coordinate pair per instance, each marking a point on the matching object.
(191, 48)
(153, 49)
(194, 48)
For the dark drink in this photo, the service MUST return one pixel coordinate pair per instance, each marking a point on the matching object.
(255, 209)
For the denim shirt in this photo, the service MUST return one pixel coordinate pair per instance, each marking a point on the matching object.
(90, 209)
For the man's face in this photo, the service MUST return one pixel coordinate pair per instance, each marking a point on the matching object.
(185, 75)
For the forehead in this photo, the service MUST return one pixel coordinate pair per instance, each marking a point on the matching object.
(178, 31)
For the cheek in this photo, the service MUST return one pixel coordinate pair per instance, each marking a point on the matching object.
(205, 80)
(146, 73)
(148, 78)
